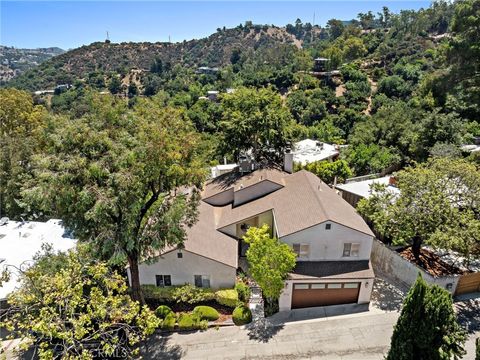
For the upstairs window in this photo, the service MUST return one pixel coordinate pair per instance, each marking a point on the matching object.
(328, 226)
(163, 280)
(202, 281)
(350, 249)
(302, 250)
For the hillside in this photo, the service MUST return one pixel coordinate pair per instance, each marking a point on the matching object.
(121, 58)
(14, 61)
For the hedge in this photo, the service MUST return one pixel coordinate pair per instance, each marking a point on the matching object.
(191, 322)
(206, 313)
(169, 322)
(241, 315)
(162, 311)
(191, 294)
(227, 297)
(163, 294)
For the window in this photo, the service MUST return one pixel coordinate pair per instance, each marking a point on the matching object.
(302, 250)
(179, 255)
(328, 226)
(350, 286)
(350, 249)
(318, 286)
(202, 281)
(334, 286)
(300, 286)
(163, 280)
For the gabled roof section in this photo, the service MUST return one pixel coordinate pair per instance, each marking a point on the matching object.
(221, 190)
(304, 201)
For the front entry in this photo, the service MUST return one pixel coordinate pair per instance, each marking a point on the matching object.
(322, 294)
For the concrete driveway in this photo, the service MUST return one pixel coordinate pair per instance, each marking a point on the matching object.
(359, 335)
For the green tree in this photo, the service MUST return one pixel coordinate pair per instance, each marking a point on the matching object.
(256, 120)
(329, 170)
(115, 85)
(335, 28)
(462, 55)
(21, 124)
(114, 176)
(441, 195)
(269, 260)
(72, 307)
(427, 327)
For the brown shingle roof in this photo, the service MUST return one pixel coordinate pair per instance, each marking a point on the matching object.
(204, 239)
(361, 269)
(238, 181)
(304, 201)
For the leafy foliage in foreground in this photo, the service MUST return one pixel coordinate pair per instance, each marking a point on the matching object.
(427, 327)
(79, 310)
(269, 260)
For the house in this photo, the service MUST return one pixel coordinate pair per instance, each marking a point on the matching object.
(332, 241)
(20, 241)
(221, 169)
(359, 188)
(308, 151)
(320, 64)
(207, 70)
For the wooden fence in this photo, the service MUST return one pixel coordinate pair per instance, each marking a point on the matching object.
(468, 283)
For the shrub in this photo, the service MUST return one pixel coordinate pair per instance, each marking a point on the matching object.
(162, 311)
(243, 291)
(169, 322)
(163, 294)
(186, 321)
(191, 294)
(241, 315)
(228, 297)
(206, 313)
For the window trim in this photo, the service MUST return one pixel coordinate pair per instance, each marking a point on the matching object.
(352, 251)
(204, 280)
(302, 254)
(163, 282)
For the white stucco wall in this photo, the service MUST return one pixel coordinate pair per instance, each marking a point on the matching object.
(285, 300)
(183, 270)
(328, 244)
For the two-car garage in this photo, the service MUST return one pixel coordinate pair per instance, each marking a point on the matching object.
(322, 294)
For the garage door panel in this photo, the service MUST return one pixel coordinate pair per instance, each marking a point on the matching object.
(321, 294)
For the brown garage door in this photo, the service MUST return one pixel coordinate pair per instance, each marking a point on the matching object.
(309, 295)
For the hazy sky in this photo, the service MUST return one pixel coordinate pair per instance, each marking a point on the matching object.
(69, 24)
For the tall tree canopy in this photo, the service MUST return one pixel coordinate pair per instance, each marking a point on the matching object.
(21, 124)
(115, 176)
(256, 120)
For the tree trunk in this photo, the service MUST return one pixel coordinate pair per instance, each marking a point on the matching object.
(137, 294)
(416, 246)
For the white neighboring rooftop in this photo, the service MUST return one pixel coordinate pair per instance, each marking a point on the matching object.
(470, 148)
(362, 188)
(308, 151)
(221, 169)
(20, 241)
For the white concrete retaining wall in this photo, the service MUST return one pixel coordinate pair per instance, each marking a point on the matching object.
(391, 264)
